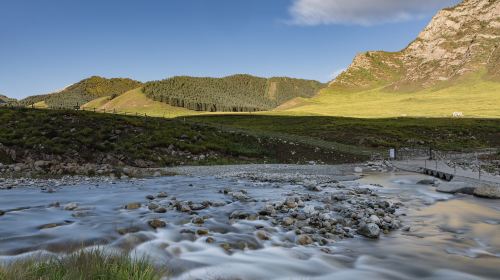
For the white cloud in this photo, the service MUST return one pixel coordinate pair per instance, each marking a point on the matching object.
(362, 12)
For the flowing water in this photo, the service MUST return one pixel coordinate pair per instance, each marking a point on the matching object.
(451, 237)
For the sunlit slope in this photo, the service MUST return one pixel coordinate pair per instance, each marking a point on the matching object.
(474, 97)
(135, 101)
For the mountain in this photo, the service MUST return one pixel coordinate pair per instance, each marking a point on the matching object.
(5, 100)
(452, 66)
(237, 93)
(83, 92)
(459, 41)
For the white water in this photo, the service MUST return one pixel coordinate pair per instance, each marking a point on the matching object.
(450, 237)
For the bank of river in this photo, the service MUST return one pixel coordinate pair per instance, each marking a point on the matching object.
(263, 222)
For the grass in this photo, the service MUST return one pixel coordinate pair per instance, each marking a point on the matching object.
(135, 101)
(88, 137)
(357, 135)
(84, 265)
(474, 96)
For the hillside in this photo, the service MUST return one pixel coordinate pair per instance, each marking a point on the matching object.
(6, 100)
(135, 101)
(452, 66)
(83, 92)
(238, 93)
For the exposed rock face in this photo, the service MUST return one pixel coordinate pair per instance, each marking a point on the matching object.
(458, 41)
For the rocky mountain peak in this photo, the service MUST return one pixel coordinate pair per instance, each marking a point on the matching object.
(460, 40)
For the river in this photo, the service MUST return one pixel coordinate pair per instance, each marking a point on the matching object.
(449, 237)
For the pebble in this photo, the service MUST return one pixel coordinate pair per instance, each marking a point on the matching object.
(304, 239)
(71, 206)
(133, 206)
(157, 224)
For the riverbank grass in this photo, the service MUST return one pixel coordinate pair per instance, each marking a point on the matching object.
(84, 265)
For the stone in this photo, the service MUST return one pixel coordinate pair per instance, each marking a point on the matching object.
(71, 206)
(262, 235)
(358, 169)
(426, 182)
(288, 221)
(375, 219)
(161, 210)
(210, 240)
(185, 208)
(198, 220)
(153, 206)
(150, 197)
(202, 231)
(162, 195)
(2, 213)
(369, 230)
(455, 187)
(133, 206)
(304, 239)
(157, 224)
(488, 191)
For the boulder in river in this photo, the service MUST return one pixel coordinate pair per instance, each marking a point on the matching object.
(488, 191)
(369, 230)
(71, 206)
(455, 187)
(304, 239)
(157, 224)
(426, 182)
(2, 213)
(133, 206)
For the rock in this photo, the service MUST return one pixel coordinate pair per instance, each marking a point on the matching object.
(157, 224)
(133, 206)
(210, 240)
(160, 210)
(47, 226)
(2, 213)
(262, 235)
(162, 195)
(288, 221)
(304, 239)
(455, 187)
(153, 206)
(290, 203)
(71, 206)
(150, 197)
(123, 231)
(202, 231)
(369, 230)
(426, 182)
(358, 169)
(185, 208)
(375, 219)
(198, 220)
(488, 191)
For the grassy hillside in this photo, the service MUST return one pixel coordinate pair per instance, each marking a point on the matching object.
(86, 137)
(6, 100)
(135, 101)
(366, 135)
(474, 96)
(83, 92)
(238, 93)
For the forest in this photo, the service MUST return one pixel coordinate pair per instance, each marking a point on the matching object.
(238, 93)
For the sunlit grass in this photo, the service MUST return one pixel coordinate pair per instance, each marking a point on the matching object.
(473, 97)
(84, 265)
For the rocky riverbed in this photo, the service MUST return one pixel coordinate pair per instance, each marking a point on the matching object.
(254, 222)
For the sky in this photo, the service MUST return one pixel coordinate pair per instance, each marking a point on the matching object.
(46, 45)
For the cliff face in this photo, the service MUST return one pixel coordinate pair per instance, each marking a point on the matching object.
(458, 41)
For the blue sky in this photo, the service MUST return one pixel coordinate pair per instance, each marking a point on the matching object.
(46, 45)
